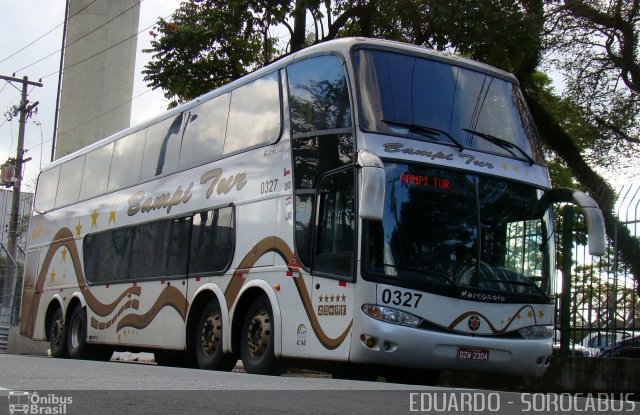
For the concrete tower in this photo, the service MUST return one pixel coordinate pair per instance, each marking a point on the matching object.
(94, 88)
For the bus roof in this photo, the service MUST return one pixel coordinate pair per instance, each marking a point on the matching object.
(343, 45)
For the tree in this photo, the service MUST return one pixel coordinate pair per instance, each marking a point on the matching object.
(207, 43)
(596, 47)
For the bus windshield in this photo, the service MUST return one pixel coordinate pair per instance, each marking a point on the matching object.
(476, 237)
(408, 96)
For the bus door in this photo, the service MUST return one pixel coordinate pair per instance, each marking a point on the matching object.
(334, 264)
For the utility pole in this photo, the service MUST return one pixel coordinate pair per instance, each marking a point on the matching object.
(12, 244)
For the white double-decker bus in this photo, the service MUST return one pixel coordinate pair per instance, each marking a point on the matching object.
(360, 202)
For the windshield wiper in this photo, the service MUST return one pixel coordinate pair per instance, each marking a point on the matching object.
(426, 131)
(524, 284)
(502, 143)
(421, 271)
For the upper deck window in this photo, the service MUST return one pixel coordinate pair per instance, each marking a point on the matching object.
(408, 96)
(318, 93)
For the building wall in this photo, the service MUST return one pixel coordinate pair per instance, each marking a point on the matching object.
(93, 91)
(6, 197)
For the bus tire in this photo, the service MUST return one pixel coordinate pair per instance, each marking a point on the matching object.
(257, 340)
(77, 333)
(208, 340)
(58, 335)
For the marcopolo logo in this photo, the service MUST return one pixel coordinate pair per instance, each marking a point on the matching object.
(33, 403)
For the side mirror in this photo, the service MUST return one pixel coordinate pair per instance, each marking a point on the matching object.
(372, 185)
(590, 210)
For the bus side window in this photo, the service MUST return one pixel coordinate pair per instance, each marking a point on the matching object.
(70, 180)
(46, 189)
(127, 159)
(212, 242)
(204, 131)
(254, 114)
(96, 175)
(162, 147)
(319, 96)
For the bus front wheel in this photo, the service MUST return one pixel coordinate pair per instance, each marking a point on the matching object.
(209, 353)
(257, 339)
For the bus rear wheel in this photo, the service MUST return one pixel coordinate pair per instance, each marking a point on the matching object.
(77, 334)
(58, 335)
(208, 340)
(257, 339)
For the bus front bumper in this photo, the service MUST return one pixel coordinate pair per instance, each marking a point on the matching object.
(377, 342)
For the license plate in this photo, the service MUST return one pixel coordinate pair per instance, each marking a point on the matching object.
(470, 353)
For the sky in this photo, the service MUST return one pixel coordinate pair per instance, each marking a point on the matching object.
(24, 21)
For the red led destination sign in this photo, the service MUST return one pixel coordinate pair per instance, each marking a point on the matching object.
(425, 181)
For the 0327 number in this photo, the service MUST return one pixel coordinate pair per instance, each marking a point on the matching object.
(404, 298)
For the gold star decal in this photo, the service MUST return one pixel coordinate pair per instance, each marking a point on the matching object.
(53, 276)
(78, 228)
(94, 219)
(63, 254)
(344, 298)
(516, 169)
(320, 298)
(530, 314)
(504, 166)
(518, 316)
(112, 214)
(541, 313)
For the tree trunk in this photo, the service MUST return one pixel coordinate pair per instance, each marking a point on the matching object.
(299, 25)
(557, 139)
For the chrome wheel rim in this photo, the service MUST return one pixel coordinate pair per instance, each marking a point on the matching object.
(211, 334)
(259, 334)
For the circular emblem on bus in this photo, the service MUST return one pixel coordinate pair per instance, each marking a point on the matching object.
(474, 323)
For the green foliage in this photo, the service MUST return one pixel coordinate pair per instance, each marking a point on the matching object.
(208, 43)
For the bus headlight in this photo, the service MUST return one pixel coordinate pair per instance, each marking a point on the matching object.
(391, 315)
(536, 332)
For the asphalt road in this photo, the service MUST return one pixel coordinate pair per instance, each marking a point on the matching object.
(61, 386)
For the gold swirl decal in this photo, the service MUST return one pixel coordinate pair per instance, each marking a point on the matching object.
(170, 296)
(64, 238)
(280, 247)
(102, 325)
(494, 330)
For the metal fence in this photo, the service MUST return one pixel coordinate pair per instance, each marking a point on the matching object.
(604, 305)
(10, 296)
(11, 268)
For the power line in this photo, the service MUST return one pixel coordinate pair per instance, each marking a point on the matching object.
(102, 51)
(104, 113)
(81, 37)
(60, 24)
